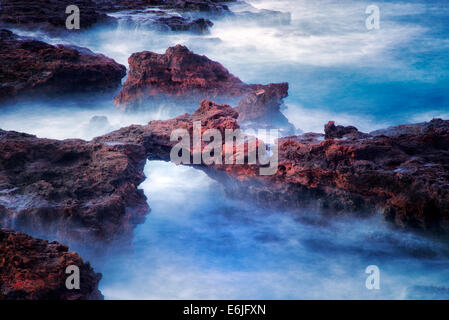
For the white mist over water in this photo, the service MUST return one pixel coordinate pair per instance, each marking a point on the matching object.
(83, 118)
(198, 244)
(337, 69)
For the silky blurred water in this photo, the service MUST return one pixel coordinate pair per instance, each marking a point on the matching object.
(337, 69)
(198, 244)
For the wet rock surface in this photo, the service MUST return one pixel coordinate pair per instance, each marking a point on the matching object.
(29, 67)
(34, 269)
(163, 21)
(405, 176)
(261, 108)
(48, 14)
(209, 6)
(78, 191)
(245, 13)
(331, 131)
(88, 191)
(178, 73)
(186, 77)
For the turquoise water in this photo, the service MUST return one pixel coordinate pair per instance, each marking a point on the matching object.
(198, 244)
(337, 69)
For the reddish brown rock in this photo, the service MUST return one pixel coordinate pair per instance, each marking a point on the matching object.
(332, 131)
(404, 175)
(48, 13)
(178, 73)
(263, 102)
(29, 67)
(187, 78)
(74, 190)
(155, 137)
(208, 6)
(33, 269)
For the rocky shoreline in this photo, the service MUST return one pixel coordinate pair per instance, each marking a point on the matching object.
(35, 68)
(88, 191)
(78, 191)
(33, 269)
(50, 15)
(181, 76)
(401, 171)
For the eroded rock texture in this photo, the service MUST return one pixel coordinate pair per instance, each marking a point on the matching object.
(163, 21)
(404, 174)
(48, 13)
(178, 73)
(76, 190)
(205, 6)
(34, 269)
(186, 77)
(29, 67)
(88, 191)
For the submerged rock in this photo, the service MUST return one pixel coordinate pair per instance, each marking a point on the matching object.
(29, 67)
(246, 13)
(34, 269)
(200, 25)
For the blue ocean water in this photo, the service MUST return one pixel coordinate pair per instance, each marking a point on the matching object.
(337, 68)
(199, 244)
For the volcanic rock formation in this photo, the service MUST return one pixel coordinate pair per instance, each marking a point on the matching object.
(208, 6)
(186, 77)
(178, 73)
(79, 191)
(88, 191)
(163, 21)
(404, 174)
(33, 67)
(48, 13)
(33, 269)
(260, 108)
